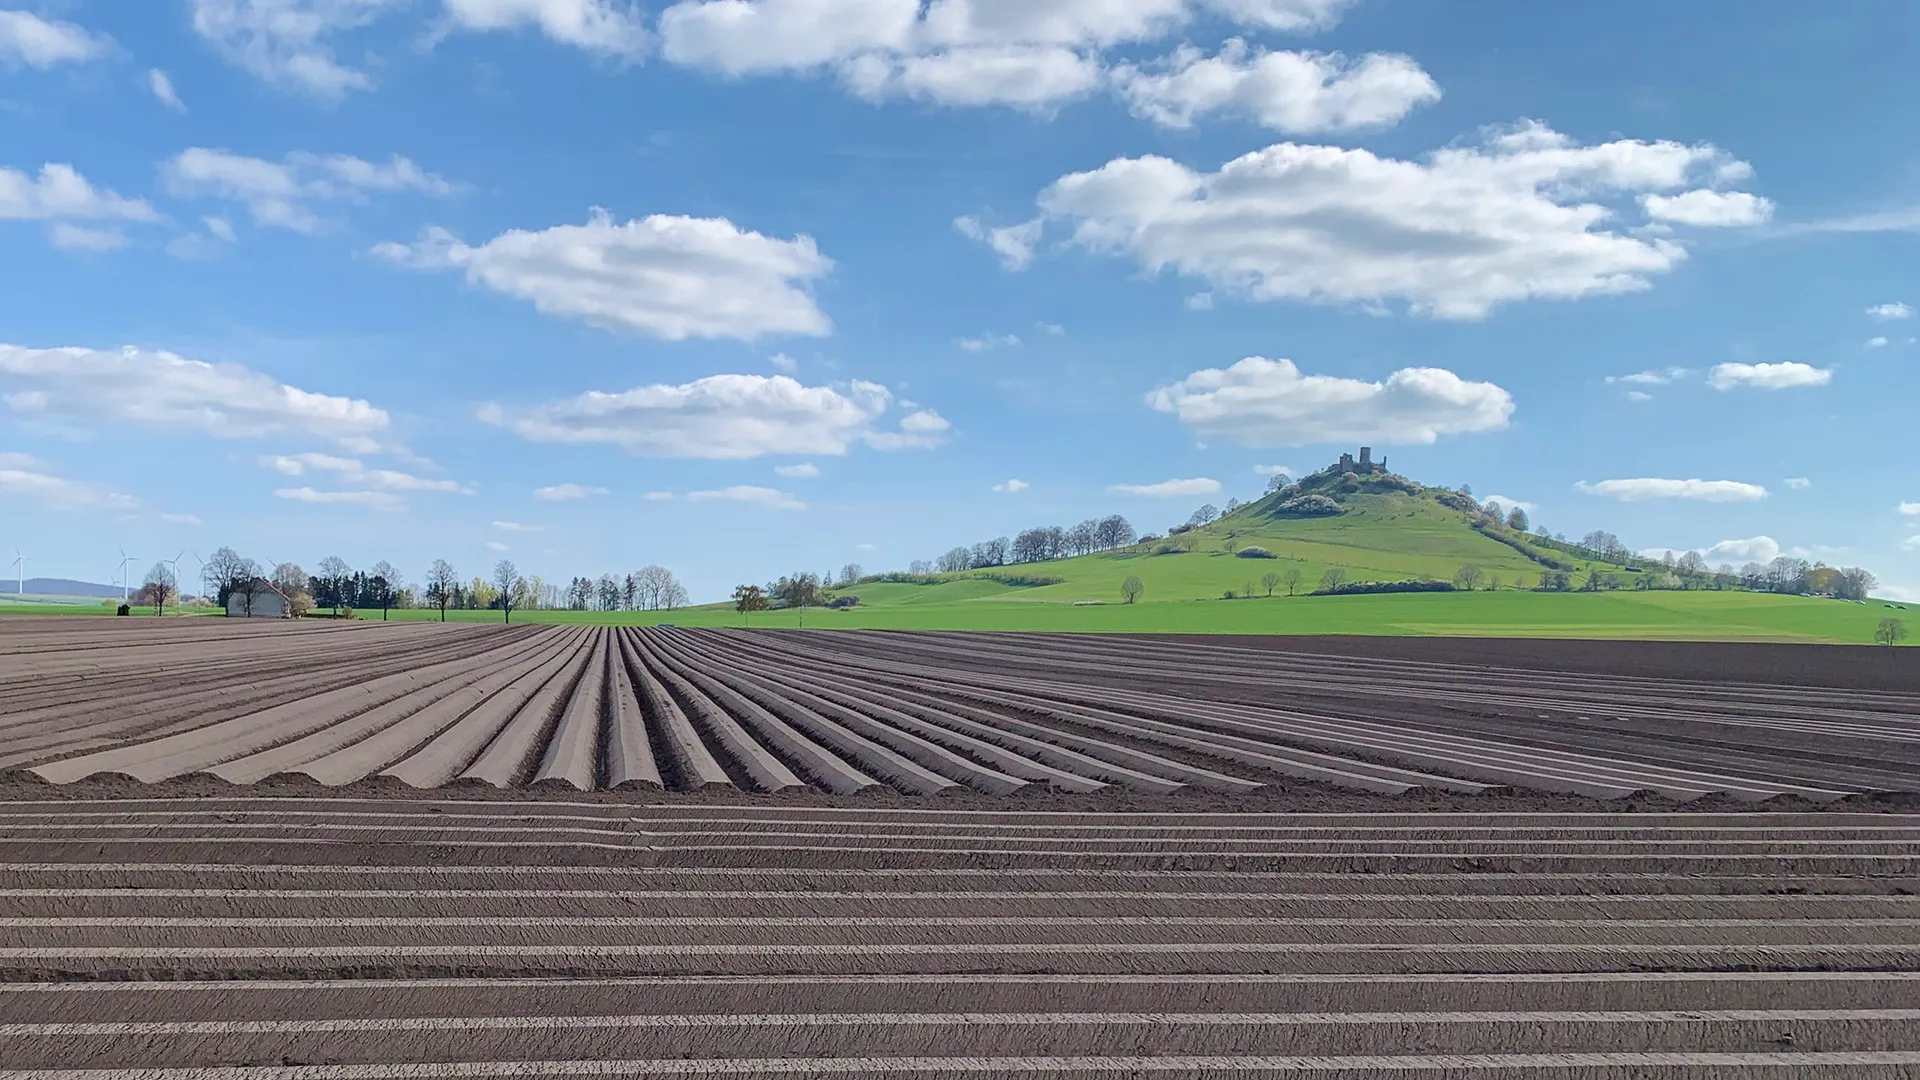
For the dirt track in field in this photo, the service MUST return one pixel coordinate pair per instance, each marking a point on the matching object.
(1133, 721)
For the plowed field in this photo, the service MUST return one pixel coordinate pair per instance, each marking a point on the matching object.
(364, 852)
(424, 706)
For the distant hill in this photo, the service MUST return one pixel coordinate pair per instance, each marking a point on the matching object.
(44, 586)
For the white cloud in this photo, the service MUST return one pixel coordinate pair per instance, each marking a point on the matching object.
(1879, 342)
(1169, 488)
(68, 237)
(1275, 470)
(1719, 491)
(371, 500)
(731, 417)
(1639, 397)
(1709, 209)
(278, 193)
(1051, 329)
(803, 470)
(59, 193)
(287, 43)
(1011, 487)
(1892, 312)
(26, 477)
(601, 26)
(357, 474)
(783, 362)
(1781, 376)
(1199, 302)
(1261, 402)
(1526, 214)
(190, 520)
(162, 88)
(1508, 503)
(1013, 243)
(1657, 377)
(1760, 549)
(658, 496)
(747, 493)
(161, 389)
(1797, 483)
(1026, 54)
(568, 492)
(1910, 508)
(987, 343)
(866, 547)
(669, 276)
(495, 545)
(26, 38)
(1294, 92)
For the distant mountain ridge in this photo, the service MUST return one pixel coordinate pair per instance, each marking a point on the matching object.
(46, 586)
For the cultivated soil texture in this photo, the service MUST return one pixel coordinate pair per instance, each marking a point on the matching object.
(245, 851)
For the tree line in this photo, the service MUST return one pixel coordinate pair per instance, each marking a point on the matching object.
(1039, 544)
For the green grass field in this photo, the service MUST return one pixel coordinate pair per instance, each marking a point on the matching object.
(1723, 616)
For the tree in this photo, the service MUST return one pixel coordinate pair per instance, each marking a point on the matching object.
(1292, 579)
(1277, 482)
(442, 582)
(956, 560)
(1517, 520)
(920, 567)
(1204, 516)
(384, 585)
(1469, 577)
(1787, 574)
(1131, 589)
(630, 592)
(331, 584)
(1332, 579)
(289, 578)
(1854, 584)
(799, 590)
(1493, 582)
(1082, 538)
(1112, 532)
(748, 599)
(1271, 579)
(226, 572)
(1890, 632)
(851, 574)
(505, 577)
(160, 587)
(607, 593)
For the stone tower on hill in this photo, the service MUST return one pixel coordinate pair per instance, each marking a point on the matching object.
(1365, 465)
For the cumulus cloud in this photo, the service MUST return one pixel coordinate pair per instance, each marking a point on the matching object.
(1718, 491)
(355, 473)
(747, 493)
(1011, 487)
(1782, 376)
(1877, 342)
(1639, 397)
(29, 40)
(599, 26)
(568, 492)
(189, 520)
(1892, 312)
(495, 545)
(1508, 503)
(1275, 470)
(61, 193)
(1527, 213)
(1656, 377)
(154, 388)
(1032, 54)
(162, 88)
(987, 343)
(1760, 549)
(1797, 483)
(804, 470)
(280, 193)
(658, 496)
(1013, 243)
(1167, 489)
(730, 417)
(1709, 209)
(68, 237)
(1261, 402)
(1910, 508)
(668, 276)
(371, 500)
(26, 477)
(1299, 93)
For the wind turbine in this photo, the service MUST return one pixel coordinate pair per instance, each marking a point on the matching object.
(175, 563)
(20, 561)
(200, 571)
(126, 579)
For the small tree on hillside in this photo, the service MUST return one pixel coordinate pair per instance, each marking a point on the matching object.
(1332, 579)
(1293, 580)
(442, 582)
(1517, 520)
(1890, 632)
(1270, 579)
(748, 599)
(160, 587)
(505, 577)
(1469, 577)
(1131, 589)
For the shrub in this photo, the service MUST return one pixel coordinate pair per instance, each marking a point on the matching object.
(1018, 580)
(1309, 506)
(1254, 551)
(841, 603)
(1368, 588)
(1168, 549)
(123, 609)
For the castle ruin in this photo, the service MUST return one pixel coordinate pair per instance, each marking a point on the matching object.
(1364, 466)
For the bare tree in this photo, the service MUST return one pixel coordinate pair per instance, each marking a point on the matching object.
(505, 577)
(1469, 577)
(956, 560)
(1890, 632)
(1204, 516)
(225, 572)
(160, 587)
(385, 584)
(920, 567)
(1853, 583)
(332, 583)
(1270, 579)
(1333, 579)
(851, 574)
(1293, 580)
(289, 578)
(1131, 589)
(442, 582)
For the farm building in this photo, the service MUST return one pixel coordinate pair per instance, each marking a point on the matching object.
(256, 600)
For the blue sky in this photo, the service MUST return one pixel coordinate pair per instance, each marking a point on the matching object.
(744, 286)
